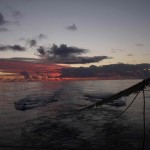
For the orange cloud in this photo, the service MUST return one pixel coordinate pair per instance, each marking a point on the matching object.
(30, 67)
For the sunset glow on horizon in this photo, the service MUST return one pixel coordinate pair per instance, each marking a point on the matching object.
(33, 69)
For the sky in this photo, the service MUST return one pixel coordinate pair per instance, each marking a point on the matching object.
(75, 32)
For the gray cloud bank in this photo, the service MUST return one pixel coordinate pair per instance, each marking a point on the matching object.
(64, 54)
(12, 47)
(2, 20)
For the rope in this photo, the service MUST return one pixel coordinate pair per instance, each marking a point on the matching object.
(144, 119)
(144, 128)
(128, 106)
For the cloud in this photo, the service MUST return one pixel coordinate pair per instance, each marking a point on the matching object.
(31, 43)
(72, 27)
(13, 48)
(65, 51)
(130, 54)
(78, 60)
(16, 65)
(41, 51)
(13, 65)
(42, 36)
(4, 30)
(115, 71)
(22, 59)
(2, 20)
(116, 50)
(62, 51)
(85, 60)
(67, 55)
(17, 14)
(140, 45)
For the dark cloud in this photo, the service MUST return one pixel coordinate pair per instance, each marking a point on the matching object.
(42, 36)
(115, 71)
(4, 30)
(67, 55)
(93, 59)
(72, 27)
(13, 48)
(78, 60)
(2, 20)
(41, 51)
(65, 51)
(29, 42)
(22, 59)
(32, 43)
(139, 44)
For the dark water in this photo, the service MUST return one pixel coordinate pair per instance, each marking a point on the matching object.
(50, 118)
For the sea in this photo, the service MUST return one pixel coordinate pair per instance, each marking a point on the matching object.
(50, 115)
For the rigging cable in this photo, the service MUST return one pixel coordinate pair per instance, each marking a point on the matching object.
(144, 119)
(128, 105)
(144, 128)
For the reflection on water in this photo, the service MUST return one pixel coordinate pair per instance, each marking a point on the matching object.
(51, 120)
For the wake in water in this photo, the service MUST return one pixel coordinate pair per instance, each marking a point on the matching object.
(36, 100)
(40, 100)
